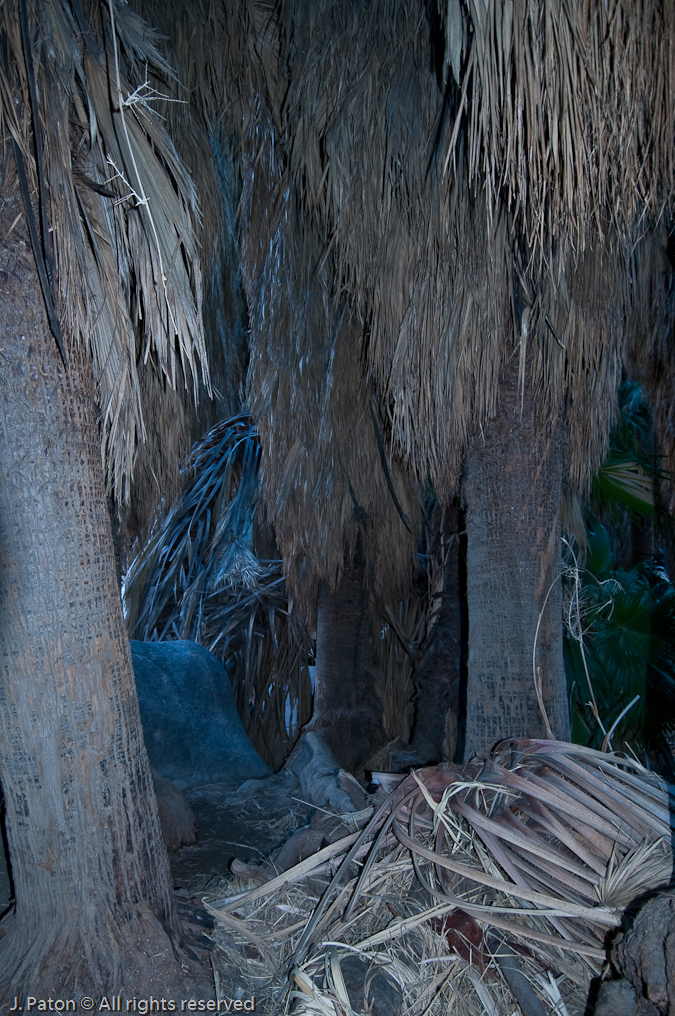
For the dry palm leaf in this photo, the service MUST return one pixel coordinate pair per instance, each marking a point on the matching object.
(532, 856)
(199, 577)
(120, 205)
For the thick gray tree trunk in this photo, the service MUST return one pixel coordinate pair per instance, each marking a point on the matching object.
(513, 490)
(94, 903)
(347, 708)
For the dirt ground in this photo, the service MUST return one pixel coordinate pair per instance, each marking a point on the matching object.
(247, 825)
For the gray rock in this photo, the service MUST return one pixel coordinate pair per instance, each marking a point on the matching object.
(193, 733)
(616, 998)
(645, 954)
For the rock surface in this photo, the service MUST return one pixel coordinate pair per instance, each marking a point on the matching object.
(193, 733)
(645, 954)
(644, 958)
(619, 998)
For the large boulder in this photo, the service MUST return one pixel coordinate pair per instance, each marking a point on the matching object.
(193, 733)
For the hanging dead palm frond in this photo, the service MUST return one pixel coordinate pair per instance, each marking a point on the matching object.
(529, 244)
(120, 206)
(328, 476)
(200, 577)
(387, 177)
(569, 110)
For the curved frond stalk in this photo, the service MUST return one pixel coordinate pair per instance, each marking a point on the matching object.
(535, 851)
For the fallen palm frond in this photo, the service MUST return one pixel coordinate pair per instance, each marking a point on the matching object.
(532, 857)
(200, 577)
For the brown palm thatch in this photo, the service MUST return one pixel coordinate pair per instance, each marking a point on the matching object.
(454, 187)
(117, 208)
(470, 216)
(331, 486)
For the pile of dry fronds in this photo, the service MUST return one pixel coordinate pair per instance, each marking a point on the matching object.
(466, 888)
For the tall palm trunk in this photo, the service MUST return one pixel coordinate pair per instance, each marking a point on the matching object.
(94, 909)
(347, 707)
(513, 491)
(439, 672)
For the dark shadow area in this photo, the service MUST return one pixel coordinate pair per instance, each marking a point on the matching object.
(464, 644)
(6, 883)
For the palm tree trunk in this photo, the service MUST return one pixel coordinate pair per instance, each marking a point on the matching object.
(513, 490)
(347, 707)
(438, 674)
(94, 904)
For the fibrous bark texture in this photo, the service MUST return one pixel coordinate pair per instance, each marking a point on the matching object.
(347, 708)
(513, 490)
(645, 954)
(94, 902)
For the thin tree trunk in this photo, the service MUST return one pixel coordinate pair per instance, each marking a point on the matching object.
(94, 902)
(347, 708)
(438, 673)
(513, 490)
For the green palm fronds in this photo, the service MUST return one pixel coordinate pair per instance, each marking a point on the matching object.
(620, 645)
(627, 652)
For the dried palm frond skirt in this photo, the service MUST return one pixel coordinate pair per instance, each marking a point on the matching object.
(475, 889)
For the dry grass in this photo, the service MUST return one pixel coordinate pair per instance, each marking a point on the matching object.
(541, 848)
